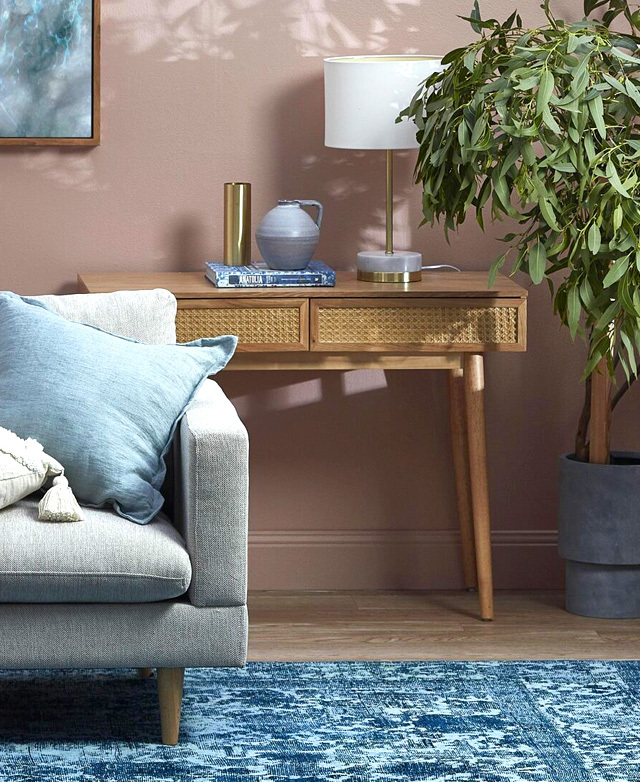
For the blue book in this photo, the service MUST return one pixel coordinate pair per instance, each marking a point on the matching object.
(258, 275)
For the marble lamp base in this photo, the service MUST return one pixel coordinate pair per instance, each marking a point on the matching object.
(399, 266)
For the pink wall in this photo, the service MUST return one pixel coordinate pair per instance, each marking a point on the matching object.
(351, 472)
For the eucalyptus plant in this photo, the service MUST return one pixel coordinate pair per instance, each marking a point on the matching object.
(541, 126)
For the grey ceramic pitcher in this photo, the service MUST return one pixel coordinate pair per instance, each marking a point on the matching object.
(287, 237)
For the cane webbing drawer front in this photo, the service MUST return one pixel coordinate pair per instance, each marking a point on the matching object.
(417, 324)
(266, 324)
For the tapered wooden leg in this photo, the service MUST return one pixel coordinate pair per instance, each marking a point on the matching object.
(144, 673)
(460, 449)
(474, 401)
(170, 697)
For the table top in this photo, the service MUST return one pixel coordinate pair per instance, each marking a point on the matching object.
(194, 285)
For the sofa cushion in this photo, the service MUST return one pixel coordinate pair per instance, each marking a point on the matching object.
(104, 559)
(146, 316)
(105, 407)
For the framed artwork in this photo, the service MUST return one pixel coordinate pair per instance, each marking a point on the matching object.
(50, 72)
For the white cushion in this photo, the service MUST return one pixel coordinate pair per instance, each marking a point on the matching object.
(24, 467)
(146, 316)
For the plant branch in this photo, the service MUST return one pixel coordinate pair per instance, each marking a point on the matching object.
(581, 444)
(622, 391)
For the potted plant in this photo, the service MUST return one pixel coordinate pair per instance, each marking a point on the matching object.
(541, 126)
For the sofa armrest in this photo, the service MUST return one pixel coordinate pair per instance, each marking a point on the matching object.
(211, 508)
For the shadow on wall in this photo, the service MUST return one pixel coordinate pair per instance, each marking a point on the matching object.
(360, 466)
(191, 29)
(350, 183)
(68, 167)
(187, 242)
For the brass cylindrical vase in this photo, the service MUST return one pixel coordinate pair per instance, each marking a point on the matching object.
(237, 223)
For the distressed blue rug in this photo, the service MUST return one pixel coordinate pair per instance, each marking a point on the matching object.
(437, 721)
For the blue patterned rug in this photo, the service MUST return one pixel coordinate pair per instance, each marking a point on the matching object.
(347, 722)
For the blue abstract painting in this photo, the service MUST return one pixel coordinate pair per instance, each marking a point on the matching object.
(46, 69)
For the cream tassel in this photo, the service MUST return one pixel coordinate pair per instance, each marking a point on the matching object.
(59, 503)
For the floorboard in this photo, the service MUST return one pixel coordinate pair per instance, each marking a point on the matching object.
(292, 626)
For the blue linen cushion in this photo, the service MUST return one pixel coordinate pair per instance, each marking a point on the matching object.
(105, 407)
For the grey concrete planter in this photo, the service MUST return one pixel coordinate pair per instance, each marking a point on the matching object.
(599, 536)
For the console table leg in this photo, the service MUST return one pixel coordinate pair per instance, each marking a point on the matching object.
(474, 398)
(460, 450)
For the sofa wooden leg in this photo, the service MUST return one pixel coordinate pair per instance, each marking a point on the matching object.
(144, 673)
(170, 698)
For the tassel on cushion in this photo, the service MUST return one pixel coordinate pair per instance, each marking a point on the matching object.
(59, 503)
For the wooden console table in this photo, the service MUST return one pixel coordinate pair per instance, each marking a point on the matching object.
(447, 321)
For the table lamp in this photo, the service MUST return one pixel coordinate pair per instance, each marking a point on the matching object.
(363, 97)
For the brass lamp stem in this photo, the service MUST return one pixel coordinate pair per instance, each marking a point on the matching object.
(389, 247)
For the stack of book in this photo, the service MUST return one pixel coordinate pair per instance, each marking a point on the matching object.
(258, 275)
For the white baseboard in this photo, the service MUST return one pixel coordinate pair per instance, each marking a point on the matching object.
(395, 559)
(401, 537)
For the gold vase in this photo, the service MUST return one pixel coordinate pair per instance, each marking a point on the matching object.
(237, 224)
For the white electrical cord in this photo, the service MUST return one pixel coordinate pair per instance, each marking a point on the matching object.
(440, 266)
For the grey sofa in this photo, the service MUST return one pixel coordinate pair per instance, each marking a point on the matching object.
(108, 593)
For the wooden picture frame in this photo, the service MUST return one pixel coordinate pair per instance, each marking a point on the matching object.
(93, 139)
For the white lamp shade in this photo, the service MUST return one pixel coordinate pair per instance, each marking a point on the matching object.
(364, 95)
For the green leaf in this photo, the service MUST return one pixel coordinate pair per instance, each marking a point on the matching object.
(537, 262)
(502, 191)
(625, 296)
(528, 154)
(596, 109)
(580, 78)
(632, 91)
(589, 147)
(463, 135)
(549, 215)
(614, 178)
(547, 83)
(607, 316)
(624, 55)
(475, 17)
(586, 295)
(453, 55)
(478, 24)
(630, 352)
(528, 84)
(495, 268)
(594, 239)
(591, 5)
(549, 121)
(470, 60)
(512, 156)
(573, 310)
(614, 83)
(598, 351)
(478, 130)
(615, 272)
(617, 218)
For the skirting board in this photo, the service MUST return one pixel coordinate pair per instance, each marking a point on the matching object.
(395, 559)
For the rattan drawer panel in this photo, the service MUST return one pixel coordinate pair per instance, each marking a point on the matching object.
(414, 324)
(259, 325)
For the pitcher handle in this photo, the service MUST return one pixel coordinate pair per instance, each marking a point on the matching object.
(318, 206)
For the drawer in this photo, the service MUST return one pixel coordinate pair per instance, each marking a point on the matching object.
(418, 325)
(259, 324)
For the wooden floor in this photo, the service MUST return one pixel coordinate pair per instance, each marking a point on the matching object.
(293, 626)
